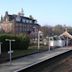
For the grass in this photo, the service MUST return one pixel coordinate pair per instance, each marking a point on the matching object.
(21, 53)
(18, 53)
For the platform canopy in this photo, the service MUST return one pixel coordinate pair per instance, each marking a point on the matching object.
(66, 34)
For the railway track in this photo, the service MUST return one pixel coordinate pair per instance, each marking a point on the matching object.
(60, 63)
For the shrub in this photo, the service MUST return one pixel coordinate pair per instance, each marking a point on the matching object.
(21, 41)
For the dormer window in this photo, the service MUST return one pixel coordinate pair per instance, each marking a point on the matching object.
(27, 21)
(30, 21)
(18, 19)
(23, 20)
(35, 22)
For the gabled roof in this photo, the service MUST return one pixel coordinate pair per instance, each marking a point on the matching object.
(66, 34)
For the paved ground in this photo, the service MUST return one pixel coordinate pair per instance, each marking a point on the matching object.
(30, 60)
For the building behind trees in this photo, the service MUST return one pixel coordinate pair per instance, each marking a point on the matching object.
(18, 23)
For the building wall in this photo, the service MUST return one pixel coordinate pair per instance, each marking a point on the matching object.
(21, 28)
(18, 24)
(7, 26)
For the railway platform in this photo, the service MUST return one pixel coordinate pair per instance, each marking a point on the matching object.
(31, 60)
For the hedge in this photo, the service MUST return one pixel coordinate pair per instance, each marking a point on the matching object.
(21, 41)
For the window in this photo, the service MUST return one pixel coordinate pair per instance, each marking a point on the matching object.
(35, 22)
(23, 20)
(25, 26)
(27, 21)
(51, 38)
(55, 38)
(30, 21)
(18, 19)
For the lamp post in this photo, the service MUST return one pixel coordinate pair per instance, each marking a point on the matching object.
(0, 47)
(67, 37)
(39, 34)
(10, 51)
(67, 42)
(48, 41)
(49, 44)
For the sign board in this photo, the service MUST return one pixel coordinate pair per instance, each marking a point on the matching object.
(10, 52)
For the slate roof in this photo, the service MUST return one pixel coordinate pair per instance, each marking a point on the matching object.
(11, 17)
